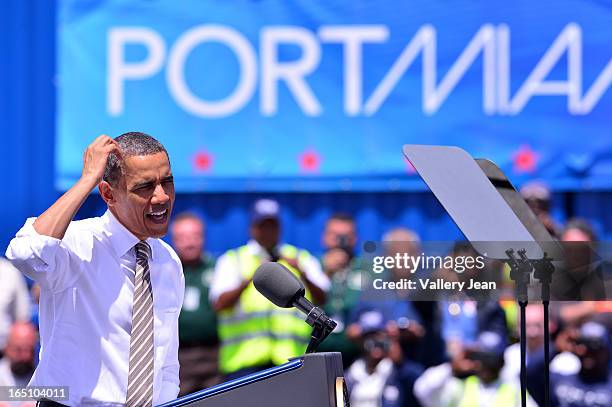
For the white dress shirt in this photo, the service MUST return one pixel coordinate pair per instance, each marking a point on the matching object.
(228, 274)
(368, 389)
(14, 299)
(87, 289)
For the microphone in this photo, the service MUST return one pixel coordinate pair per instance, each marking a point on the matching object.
(279, 285)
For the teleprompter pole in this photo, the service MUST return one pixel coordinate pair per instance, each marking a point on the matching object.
(520, 269)
(544, 269)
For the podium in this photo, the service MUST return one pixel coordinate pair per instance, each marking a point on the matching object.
(312, 380)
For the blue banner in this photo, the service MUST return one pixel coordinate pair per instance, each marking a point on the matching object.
(305, 95)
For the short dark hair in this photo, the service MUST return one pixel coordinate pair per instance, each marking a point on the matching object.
(188, 215)
(582, 225)
(131, 144)
(341, 216)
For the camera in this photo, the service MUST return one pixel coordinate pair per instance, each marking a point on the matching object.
(373, 343)
(343, 243)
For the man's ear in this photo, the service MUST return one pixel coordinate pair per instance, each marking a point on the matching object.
(107, 193)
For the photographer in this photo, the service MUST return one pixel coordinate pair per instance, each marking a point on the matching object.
(373, 380)
(472, 379)
(592, 385)
(344, 271)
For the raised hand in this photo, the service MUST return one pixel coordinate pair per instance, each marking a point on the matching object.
(95, 157)
(55, 220)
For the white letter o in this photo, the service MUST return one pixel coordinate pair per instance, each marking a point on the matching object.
(247, 60)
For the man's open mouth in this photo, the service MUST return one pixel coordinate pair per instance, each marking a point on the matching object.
(158, 216)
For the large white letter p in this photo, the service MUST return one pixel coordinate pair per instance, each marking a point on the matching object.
(120, 70)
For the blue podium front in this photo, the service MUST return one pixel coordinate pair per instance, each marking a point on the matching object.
(312, 380)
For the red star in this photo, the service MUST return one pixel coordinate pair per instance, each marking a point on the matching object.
(310, 161)
(525, 159)
(202, 161)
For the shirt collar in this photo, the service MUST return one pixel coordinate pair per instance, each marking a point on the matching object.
(258, 250)
(121, 239)
(254, 247)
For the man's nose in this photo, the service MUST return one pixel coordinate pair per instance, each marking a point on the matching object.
(159, 195)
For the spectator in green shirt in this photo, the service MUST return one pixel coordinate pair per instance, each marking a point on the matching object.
(198, 342)
(344, 270)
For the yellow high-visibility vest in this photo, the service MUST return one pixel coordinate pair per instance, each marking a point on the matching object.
(506, 395)
(256, 332)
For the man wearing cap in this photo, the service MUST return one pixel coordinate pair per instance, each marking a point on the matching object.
(374, 378)
(472, 379)
(591, 386)
(254, 333)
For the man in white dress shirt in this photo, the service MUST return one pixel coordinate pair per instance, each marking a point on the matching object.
(111, 290)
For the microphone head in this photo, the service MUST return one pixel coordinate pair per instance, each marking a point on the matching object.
(275, 282)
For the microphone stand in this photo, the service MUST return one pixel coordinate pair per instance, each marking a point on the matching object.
(321, 323)
(544, 269)
(519, 272)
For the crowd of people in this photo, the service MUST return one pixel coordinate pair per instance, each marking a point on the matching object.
(395, 352)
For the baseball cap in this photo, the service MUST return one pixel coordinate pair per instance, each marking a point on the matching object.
(265, 209)
(594, 333)
(371, 321)
(490, 342)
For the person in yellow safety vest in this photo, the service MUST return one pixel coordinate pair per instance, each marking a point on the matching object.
(254, 333)
(472, 378)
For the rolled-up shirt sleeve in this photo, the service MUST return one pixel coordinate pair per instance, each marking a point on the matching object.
(437, 387)
(44, 259)
(226, 276)
(313, 271)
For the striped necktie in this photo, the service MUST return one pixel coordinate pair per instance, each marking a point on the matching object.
(140, 375)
